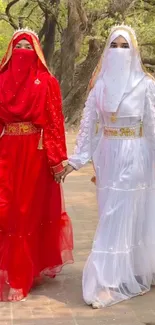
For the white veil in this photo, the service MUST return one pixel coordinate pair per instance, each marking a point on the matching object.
(120, 71)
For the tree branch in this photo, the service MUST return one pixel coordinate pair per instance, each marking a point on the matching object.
(149, 61)
(23, 8)
(81, 13)
(119, 6)
(4, 17)
(42, 6)
(20, 17)
(150, 2)
(32, 21)
(7, 11)
(98, 15)
(31, 12)
(148, 44)
(42, 30)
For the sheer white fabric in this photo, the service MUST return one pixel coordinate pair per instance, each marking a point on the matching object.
(89, 134)
(149, 114)
(121, 264)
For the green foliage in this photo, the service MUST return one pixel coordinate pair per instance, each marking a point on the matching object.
(140, 15)
(2, 6)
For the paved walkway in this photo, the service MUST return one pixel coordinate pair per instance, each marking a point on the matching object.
(59, 301)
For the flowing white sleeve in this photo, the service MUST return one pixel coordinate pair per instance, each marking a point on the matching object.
(87, 138)
(149, 113)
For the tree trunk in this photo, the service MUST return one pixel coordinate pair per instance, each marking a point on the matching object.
(72, 37)
(49, 40)
(49, 30)
(74, 102)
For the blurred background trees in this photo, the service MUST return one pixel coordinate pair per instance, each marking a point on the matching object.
(73, 34)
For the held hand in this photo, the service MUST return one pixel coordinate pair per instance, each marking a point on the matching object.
(58, 177)
(68, 170)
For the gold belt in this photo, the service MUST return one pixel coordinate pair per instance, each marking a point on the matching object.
(123, 132)
(22, 128)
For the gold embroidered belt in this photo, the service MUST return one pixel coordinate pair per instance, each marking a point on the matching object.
(135, 131)
(22, 128)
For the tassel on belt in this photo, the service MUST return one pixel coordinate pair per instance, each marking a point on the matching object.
(23, 128)
(133, 132)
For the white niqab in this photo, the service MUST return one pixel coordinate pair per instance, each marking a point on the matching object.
(121, 72)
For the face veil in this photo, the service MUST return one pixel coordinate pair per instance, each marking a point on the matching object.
(19, 71)
(118, 72)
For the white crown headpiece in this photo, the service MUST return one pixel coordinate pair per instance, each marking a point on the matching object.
(127, 27)
(26, 30)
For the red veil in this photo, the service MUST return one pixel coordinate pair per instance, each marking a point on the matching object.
(35, 231)
(28, 91)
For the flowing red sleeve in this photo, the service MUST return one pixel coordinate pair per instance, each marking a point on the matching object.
(54, 131)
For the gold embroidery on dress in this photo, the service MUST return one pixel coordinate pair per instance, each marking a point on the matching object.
(113, 118)
(21, 128)
(126, 132)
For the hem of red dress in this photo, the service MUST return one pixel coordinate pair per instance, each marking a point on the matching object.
(50, 272)
(54, 274)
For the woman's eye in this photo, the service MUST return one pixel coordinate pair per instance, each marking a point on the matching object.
(125, 46)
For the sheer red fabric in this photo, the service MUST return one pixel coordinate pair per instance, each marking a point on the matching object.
(35, 230)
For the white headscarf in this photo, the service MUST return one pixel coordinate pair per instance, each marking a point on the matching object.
(120, 73)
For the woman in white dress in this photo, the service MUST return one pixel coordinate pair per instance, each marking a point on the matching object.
(121, 264)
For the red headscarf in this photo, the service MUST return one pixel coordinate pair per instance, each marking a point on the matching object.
(23, 81)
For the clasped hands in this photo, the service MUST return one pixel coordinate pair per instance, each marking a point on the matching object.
(62, 175)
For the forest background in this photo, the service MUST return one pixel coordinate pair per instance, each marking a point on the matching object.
(73, 35)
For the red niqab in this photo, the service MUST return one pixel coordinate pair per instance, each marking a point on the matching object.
(23, 85)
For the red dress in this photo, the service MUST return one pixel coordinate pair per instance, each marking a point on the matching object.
(35, 231)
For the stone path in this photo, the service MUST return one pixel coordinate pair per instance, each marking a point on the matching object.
(59, 301)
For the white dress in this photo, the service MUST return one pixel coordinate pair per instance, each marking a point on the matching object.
(121, 264)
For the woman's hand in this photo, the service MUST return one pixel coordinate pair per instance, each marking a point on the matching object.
(68, 170)
(58, 177)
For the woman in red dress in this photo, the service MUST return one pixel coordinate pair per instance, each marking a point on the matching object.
(35, 231)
